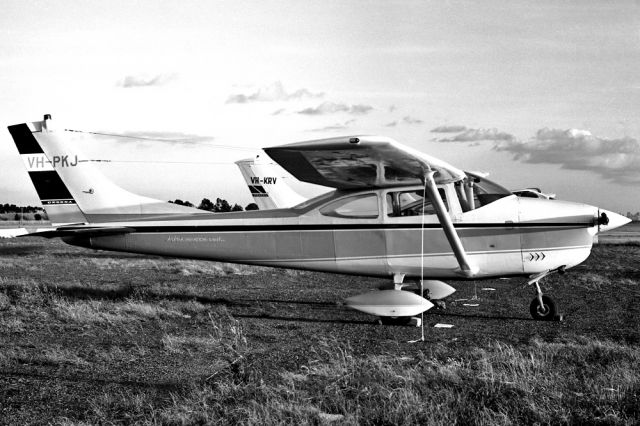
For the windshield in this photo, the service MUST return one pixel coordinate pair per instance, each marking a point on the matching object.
(477, 191)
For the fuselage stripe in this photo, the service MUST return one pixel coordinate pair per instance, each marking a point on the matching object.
(345, 227)
(401, 256)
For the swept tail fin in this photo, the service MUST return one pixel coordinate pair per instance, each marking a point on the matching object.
(268, 188)
(58, 202)
(70, 188)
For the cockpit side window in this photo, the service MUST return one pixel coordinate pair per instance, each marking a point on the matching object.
(359, 206)
(412, 203)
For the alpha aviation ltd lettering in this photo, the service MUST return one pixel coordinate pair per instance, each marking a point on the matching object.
(194, 239)
(263, 181)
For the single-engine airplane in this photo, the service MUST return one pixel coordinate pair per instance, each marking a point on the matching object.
(394, 212)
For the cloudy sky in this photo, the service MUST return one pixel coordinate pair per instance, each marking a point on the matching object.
(537, 93)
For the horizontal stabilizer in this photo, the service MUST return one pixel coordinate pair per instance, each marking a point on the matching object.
(389, 303)
(82, 232)
(22, 232)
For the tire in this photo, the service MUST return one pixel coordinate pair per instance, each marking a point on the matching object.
(546, 312)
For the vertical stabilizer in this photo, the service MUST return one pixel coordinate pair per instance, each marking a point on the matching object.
(56, 199)
(266, 184)
(70, 188)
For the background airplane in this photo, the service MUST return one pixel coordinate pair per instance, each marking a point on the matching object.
(267, 184)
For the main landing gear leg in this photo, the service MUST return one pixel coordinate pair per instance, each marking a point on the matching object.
(543, 307)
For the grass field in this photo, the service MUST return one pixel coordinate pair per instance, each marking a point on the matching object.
(92, 337)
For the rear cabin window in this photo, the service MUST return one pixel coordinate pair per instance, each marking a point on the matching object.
(359, 206)
(412, 203)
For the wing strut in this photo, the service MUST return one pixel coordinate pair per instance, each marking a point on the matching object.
(452, 236)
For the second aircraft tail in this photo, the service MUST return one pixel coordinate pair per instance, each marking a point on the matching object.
(268, 188)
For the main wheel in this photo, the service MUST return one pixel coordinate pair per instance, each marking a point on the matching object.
(546, 311)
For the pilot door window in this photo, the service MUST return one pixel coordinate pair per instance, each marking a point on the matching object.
(359, 206)
(412, 203)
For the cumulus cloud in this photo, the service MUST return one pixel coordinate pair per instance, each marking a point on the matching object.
(449, 129)
(405, 120)
(360, 109)
(171, 138)
(325, 108)
(473, 135)
(411, 120)
(141, 80)
(332, 108)
(614, 159)
(337, 126)
(272, 93)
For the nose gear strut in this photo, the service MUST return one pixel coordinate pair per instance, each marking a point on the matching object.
(543, 307)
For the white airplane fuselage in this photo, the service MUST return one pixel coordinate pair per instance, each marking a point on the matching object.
(508, 237)
(396, 212)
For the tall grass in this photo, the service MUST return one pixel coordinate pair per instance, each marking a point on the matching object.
(572, 381)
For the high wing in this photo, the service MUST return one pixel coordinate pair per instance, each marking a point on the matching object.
(374, 162)
(356, 162)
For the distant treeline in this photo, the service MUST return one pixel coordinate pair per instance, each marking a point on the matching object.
(634, 216)
(13, 212)
(220, 206)
(12, 208)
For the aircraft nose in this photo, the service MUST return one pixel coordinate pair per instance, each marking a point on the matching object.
(608, 220)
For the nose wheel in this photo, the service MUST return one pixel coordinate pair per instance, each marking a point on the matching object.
(543, 307)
